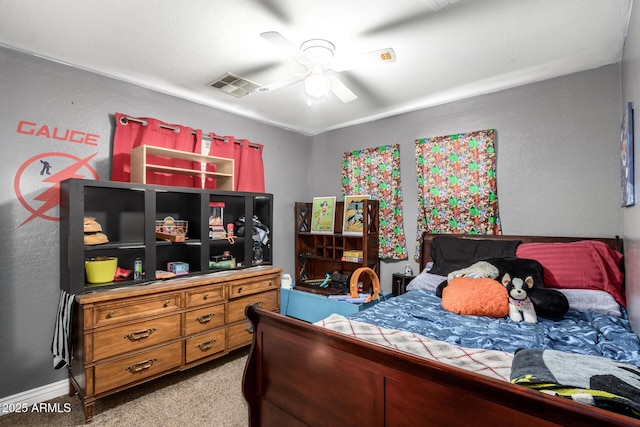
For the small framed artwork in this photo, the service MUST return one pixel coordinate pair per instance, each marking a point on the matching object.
(323, 215)
(626, 157)
(353, 218)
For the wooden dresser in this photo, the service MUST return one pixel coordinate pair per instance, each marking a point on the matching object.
(123, 337)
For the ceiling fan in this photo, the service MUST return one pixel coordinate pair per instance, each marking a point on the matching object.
(316, 56)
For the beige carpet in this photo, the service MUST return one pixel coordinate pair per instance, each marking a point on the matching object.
(207, 395)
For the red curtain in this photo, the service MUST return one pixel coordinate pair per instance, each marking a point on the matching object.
(133, 132)
(248, 158)
(221, 146)
(248, 166)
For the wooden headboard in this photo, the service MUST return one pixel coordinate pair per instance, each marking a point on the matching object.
(426, 238)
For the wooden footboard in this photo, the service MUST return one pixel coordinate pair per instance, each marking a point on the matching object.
(298, 374)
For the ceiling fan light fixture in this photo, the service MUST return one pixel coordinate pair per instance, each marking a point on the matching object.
(316, 85)
(316, 56)
(319, 51)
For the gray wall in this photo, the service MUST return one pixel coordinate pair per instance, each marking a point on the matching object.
(558, 171)
(631, 215)
(48, 93)
(558, 154)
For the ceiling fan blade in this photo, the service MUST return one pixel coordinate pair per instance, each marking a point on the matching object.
(286, 46)
(294, 78)
(340, 90)
(375, 57)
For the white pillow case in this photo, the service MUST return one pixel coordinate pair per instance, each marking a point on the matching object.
(426, 281)
(592, 300)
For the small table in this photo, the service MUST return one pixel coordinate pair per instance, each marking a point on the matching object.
(400, 282)
(312, 307)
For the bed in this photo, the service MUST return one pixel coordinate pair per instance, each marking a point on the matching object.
(363, 371)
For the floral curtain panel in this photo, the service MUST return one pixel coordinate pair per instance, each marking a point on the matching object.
(457, 185)
(376, 172)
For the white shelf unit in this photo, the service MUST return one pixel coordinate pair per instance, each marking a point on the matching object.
(140, 165)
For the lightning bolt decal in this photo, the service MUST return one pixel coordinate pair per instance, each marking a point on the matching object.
(50, 197)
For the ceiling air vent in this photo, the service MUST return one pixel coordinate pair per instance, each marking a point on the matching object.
(234, 85)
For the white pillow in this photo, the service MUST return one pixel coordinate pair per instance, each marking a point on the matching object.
(592, 300)
(425, 281)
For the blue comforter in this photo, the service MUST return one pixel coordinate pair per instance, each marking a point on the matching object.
(590, 333)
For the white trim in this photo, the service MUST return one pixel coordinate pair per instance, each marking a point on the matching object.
(36, 395)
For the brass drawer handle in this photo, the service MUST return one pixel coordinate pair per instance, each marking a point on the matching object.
(206, 345)
(138, 335)
(167, 303)
(110, 314)
(206, 318)
(240, 289)
(141, 366)
(206, 295)
(249, 329)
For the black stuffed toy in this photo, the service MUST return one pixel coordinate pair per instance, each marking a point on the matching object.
(547, 302)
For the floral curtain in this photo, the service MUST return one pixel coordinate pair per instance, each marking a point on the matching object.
(457, 185)
(376, 172)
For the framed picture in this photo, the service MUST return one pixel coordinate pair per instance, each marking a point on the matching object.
(353, 218)
(626, 157)
(323, 215)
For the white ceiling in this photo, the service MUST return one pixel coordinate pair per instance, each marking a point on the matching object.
(455, 51)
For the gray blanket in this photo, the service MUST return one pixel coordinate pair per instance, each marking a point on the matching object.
(593, 380)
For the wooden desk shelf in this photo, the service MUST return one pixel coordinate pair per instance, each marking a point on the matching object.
(140, 164)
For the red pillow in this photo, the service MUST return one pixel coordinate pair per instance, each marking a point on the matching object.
(478, 297)
(587, 264)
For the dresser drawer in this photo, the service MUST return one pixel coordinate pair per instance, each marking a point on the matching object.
(239, 334)
(267, 300)
(204, 318)
(135, 368)
(205, 345)
(240, 288)
(136, 336)
(136, 308)
(206, 295)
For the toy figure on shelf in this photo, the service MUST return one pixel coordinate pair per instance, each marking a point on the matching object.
(231, 238)
(257, 252)
(216, 215)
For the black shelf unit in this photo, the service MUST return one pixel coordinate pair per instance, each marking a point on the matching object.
(128, 212)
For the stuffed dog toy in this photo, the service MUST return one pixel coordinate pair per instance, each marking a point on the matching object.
(520, 306)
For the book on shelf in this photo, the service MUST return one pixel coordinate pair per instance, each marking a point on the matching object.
(352, 253)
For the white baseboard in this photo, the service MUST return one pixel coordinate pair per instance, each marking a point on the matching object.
(36, 395)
